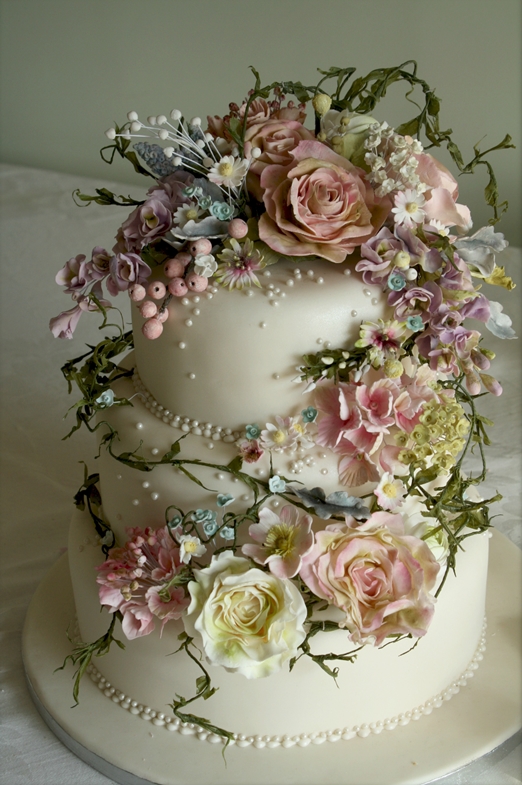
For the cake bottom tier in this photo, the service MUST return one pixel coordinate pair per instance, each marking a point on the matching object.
(383, 688)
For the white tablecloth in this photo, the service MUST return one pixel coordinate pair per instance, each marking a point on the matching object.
(40, 229)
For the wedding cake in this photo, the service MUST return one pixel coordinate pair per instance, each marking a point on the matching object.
(281, 531)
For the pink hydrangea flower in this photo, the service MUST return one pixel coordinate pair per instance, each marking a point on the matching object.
(380, 577)
(138, 580)
(283, 540)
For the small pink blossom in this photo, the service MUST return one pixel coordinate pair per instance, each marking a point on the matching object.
(390, 492)
(284, 540)
(250, 450)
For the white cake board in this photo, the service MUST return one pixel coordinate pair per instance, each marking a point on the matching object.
(486, 713)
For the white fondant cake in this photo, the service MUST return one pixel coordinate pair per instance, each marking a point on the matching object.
(281, 519)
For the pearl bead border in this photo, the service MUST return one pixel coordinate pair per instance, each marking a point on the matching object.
(170, 723)
(215, 432)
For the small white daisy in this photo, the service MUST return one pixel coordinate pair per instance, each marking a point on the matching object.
(408, 208)
(229, 171)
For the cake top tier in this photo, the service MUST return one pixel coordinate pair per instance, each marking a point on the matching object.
(233, 358)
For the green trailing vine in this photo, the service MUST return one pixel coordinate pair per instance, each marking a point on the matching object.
(83, 653)
(204, 690)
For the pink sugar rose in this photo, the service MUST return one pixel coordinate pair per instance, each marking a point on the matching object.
(319, 204)
(276, 139)
(441, 202)
(380, 577)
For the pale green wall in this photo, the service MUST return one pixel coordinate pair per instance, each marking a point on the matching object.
(71, 67)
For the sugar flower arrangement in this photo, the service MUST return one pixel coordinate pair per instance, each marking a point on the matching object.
(318, 176)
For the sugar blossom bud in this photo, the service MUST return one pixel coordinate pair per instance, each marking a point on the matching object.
(321, 103)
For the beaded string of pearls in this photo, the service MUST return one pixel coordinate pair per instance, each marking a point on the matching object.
(186, 424)
(287, 741)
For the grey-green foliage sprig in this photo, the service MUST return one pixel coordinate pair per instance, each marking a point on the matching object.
(204, 690)
(94, 372)
(362, 96)
(83, 653)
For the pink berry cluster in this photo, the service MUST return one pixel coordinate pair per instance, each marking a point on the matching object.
(181, 279)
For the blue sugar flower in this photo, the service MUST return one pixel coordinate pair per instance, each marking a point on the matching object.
(396, 282)
(309, 414)
(276, 484)
(106, 398)
(222, 211)
(210, 528)
(228, 532)
(205, 202)
(414, 323)
(252, 431)
(223, 499)
(200, 516)
(175, 522)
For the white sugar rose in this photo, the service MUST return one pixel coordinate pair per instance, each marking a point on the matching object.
(250, 621)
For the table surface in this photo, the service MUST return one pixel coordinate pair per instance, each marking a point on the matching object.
(40, 228)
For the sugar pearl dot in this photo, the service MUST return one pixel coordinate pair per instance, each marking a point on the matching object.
(262, 325)
(367, 293)
(319, 341)
(327, 344)
(210, 445)
(182, 345)
(249, 292)
(135, 502)
(375, 301)
(221, 476)
(154, 451)
(275, 376)
(324, 471)
(274, 302)
(267, 274)
(154, 496)
(145, 484)
(310, 273)
(347, 271)
(196, 311)
(185, 301)
(188, 322)
(118, 476)
(139, 426)
(192, 376)
(290, 282)
(209, 295)
(320, 280)
(353, 313)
